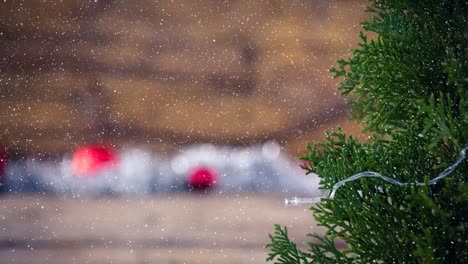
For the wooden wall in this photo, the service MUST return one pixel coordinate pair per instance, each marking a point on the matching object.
(165, 73)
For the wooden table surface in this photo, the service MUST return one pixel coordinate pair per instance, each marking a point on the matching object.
(170, 228)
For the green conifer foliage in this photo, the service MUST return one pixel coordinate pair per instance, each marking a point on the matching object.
(408, 85)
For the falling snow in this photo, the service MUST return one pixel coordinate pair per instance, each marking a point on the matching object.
(150, 91)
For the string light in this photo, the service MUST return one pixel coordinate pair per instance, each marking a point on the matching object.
(371, 174)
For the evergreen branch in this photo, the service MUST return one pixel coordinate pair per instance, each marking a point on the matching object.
(325, 251)
(409, 88)
(283, 250)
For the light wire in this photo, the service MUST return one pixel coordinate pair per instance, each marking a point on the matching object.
(372, 174)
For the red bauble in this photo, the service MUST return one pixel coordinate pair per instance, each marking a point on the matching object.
(202, 178)
(89, 160)
(3, 162)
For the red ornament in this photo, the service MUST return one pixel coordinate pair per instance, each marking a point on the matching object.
(3, 163)
(89, 160)
(202, 178)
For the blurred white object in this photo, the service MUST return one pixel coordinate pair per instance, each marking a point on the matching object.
(259, 168)
(133, 175)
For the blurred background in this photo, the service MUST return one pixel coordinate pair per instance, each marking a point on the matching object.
(155, 131)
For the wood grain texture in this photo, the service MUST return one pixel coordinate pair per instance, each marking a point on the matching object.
(169, 73)
(182, 228)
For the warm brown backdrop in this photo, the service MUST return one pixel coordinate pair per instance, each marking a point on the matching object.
(171, 72)
(162, 74)
(160, 229)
